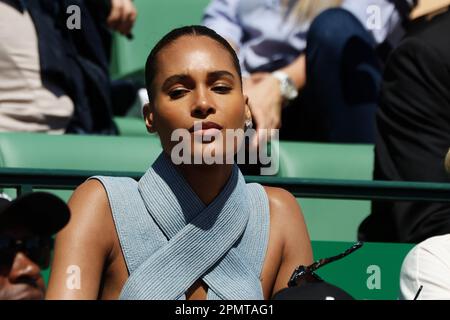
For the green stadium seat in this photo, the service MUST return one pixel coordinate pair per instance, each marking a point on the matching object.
(131, 127)
(370, 273)
(329, 161)
(77, 152)
(326, 160)
(327, 220)
(82, 152)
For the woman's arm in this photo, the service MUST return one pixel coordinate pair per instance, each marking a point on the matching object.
(297, 71)
(264, 93)
(289, 226)
(122, 16)
(83, 246)
(379, 17)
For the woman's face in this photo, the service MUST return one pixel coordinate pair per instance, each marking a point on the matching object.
(196, 82)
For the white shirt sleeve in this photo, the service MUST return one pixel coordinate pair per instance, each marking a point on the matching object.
(379, 17)
(221, 16)
(427, 265)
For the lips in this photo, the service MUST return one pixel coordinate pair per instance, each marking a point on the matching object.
(26, 292)
(203, 126)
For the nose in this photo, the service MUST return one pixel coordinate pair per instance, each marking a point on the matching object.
(24, 270)
(203, 106)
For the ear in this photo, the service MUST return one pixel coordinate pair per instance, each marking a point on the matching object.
(447, 161)
(148, 112)
(248, 109)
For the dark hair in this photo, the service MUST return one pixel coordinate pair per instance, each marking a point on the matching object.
(194, 30)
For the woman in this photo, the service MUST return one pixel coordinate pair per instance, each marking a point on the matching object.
(184, 231)
(310, 65)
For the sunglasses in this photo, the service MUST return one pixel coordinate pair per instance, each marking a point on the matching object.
(36, 248)
(305, 274)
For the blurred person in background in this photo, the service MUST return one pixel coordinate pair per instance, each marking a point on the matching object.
(26, 228)
(54, 77)
(312, 67)
(425, 273)
(413, 122)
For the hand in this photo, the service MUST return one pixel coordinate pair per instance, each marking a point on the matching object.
(266, 101)
(263, 91)
(122, 16)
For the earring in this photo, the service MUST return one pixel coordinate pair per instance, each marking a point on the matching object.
(248, 124)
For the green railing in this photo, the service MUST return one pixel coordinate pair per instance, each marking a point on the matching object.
(25, 180)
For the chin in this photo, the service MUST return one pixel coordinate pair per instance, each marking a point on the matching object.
(31, 293)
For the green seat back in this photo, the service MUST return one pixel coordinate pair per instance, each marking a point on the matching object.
(335, 220)
(327, 219)
(326, 160)
(131, 127)
(77, 152)
(372, 272)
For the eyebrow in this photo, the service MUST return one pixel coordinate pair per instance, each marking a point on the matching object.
(219, 74)
(182, 77)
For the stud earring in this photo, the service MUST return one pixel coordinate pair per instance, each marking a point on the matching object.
(248, 124)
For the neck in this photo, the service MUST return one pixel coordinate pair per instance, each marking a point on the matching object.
(207, 181)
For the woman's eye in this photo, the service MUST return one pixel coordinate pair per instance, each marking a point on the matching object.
(222, 89)
(177, 93)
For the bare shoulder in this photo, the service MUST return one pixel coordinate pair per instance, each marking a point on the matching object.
(289, 239)
(283, 206)
(278, 195)
(286, 217)
(79, 243)
(90, 192)
(91, 212)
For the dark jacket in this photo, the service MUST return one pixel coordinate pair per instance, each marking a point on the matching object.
(75, 62)
(413, 137)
